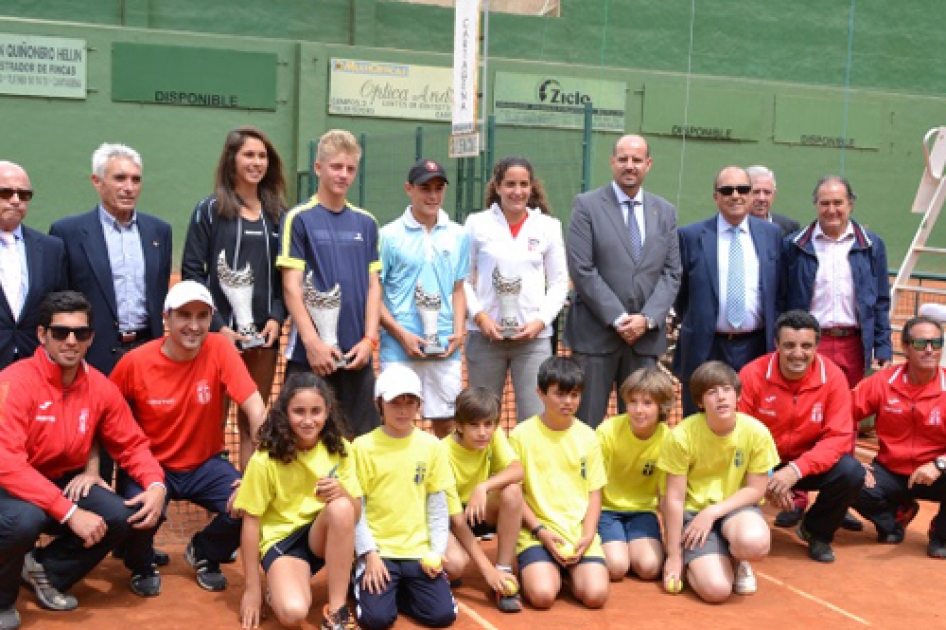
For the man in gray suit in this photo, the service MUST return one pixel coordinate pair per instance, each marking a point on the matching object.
(763, 196)
(624, 262)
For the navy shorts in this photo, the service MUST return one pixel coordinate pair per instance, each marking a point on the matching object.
(540, 554)
(716, 543)
(295, 545)
(627, 526)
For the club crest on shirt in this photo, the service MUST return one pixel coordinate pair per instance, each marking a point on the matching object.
(934, 419)
(739, 458)
(649, 467)
(420, 473)
(584, 468)
(817, 413)
(83, 420)
(534, 244)
(203, 392)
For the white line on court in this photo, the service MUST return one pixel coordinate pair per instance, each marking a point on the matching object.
(817, 600)
(476, 617)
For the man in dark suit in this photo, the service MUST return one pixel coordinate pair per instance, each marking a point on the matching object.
(729, 297)
(763, 196)
(624, 262)
(119, 258)
(31, 265)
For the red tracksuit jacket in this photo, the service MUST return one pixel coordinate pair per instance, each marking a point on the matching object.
(46, 430)
(810, 420)
(909, 422)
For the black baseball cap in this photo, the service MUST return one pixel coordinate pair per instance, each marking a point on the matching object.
(425, 170)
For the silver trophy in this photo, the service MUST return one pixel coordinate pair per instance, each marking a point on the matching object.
(428, 305)
(323, 308)
(508, 290)
(238, 287)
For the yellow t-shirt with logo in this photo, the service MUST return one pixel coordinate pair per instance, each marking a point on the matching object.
(716, 467)
(631, 466)
(471, 467)
(561, 469)
(396, 475)
(283, 495)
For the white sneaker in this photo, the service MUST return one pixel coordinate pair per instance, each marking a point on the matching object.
(745, 583)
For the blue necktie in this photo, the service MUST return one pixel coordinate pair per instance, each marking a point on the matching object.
(637, 243)
(736, 286)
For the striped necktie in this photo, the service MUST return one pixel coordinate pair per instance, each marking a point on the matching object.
(736, 286)
(637, 243)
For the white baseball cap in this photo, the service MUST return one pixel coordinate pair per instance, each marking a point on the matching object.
(185, 292)
(397, 380)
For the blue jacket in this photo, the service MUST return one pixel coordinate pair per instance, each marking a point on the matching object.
(868, 258)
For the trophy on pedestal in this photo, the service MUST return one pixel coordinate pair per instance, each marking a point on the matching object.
(323, 308)
(508, 290)
(238, 287)
(428, 305)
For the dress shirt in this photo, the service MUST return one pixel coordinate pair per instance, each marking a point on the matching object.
(127, 262)
(832, 301)
(753, 319)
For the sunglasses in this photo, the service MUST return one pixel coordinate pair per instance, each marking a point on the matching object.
(61, 333)
(25, 194)
(920, 344)
(727, 191)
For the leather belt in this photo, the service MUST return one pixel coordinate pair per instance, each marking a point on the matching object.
(133, 336)
(840, 332)
(731, 336)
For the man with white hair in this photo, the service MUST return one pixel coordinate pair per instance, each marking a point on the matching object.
(763, 196)
(31, 265)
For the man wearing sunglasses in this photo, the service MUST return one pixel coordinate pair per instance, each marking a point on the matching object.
(909, 402)
(31, 265)
(52, 406)
(729, 296)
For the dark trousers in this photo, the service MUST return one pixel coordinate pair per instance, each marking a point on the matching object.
(879, 504)
(209, 486)
(65, 559)
(837, 490)
(354, 390)
(410, 591)
(733, 350)
(605, 373)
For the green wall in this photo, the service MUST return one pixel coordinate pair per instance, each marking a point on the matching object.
(770, 53)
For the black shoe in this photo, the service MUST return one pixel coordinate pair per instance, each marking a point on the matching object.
(818, 550)
(209, 576)
(146, 584)
(161, 558)
(46, 594)
(789, 518)
(937, 546)
(851, 523)
(894, 537)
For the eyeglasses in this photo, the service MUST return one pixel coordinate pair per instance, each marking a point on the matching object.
(727, 191)
(920, 344)
(61, 333)
(25, 194)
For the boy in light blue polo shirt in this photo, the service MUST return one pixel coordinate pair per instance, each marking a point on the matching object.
(424, 259)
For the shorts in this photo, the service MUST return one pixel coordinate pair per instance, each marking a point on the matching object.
(539, 553)
(442, 381)
(716, 543)
(295, 545)
(627, 526)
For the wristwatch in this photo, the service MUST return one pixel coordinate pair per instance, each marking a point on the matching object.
(940, 463)
(651, 324)
(536, 530)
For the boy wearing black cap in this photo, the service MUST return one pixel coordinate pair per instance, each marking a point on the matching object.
(424, 259)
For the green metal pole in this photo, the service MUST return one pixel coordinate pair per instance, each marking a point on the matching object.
(458, 210)
(419, 143)
(313, 184)
(361, 171)
(489, 158)
(586, 150)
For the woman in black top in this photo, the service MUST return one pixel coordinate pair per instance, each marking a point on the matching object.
(231, 247)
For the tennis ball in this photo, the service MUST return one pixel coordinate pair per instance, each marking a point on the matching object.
(566, 549)
(673, 585)
(510, 588)
(432, 560)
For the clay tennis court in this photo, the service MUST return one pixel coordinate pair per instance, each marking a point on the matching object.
(870, 585)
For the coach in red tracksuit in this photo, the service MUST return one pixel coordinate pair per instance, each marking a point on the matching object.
(909, 401)
(804, 400)
(52, 406)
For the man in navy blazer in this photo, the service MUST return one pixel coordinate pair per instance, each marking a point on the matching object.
(119, 258)
(730, 321)
(39, 258)
(763, 196)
